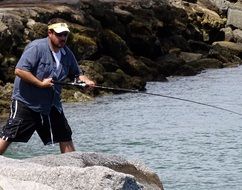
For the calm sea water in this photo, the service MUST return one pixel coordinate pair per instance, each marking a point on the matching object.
(190, 146)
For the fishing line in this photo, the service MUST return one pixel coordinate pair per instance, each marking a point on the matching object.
(83, 85)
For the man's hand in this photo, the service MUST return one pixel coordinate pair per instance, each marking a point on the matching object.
(47, 83)
(87, 81)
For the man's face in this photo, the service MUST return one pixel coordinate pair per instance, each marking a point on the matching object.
(58, 40)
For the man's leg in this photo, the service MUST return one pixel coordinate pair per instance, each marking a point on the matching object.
(3, 146)
(61, 130)
(66, 146)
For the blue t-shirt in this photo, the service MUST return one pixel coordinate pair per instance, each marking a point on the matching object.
(38, 59)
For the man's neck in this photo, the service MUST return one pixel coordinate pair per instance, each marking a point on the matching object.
(54, 48)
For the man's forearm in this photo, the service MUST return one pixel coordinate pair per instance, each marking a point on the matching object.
(30, 78)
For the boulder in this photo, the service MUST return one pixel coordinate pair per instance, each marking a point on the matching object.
(205, 63)
(234, 49)
(234, 14)
(227, 52)
(237, 33)
(188, 56)
(76, 170)
(228, 34)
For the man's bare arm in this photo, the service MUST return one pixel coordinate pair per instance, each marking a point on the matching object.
(30, 78)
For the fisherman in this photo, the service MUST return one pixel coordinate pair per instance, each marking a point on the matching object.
(36, 104)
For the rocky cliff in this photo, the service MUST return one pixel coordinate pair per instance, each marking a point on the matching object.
(124, 43)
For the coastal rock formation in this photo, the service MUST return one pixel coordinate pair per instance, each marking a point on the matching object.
(76, 170)
(118, 43)
(125, 43)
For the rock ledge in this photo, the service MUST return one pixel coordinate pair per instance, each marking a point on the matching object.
(76, 170)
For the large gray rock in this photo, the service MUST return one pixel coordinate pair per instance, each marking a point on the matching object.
(12, 184)
(234, 15)
(222, 5)
(76, 170)
(237, 33)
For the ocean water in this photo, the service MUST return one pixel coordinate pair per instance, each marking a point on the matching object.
(190, 146)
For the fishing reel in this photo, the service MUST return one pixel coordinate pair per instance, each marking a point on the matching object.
(79, 83)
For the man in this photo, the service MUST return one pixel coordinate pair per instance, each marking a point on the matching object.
(36, 104)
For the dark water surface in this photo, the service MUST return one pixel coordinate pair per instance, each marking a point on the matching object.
(191, 147)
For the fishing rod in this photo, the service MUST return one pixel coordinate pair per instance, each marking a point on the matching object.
(83, 85)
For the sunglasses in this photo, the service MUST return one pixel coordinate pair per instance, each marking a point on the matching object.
(61, 34)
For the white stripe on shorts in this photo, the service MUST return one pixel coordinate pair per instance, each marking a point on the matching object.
(16, 108)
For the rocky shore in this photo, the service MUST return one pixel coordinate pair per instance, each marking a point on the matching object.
(124, 43)
(76, 170)
(118, 43)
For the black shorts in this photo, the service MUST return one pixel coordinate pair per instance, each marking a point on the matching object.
(23, 122)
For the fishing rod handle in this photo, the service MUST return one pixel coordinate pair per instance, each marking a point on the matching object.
(79, 84)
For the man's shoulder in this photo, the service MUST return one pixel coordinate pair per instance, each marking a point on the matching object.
(38, 43)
